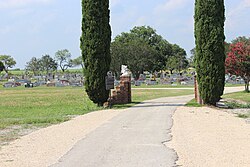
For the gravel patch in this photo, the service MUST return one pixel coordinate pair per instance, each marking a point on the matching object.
(210, 137)
(46, 146)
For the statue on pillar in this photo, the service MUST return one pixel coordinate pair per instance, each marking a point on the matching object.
(125, 71)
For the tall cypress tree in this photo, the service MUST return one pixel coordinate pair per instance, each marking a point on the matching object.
(210, 49)
(95, 46)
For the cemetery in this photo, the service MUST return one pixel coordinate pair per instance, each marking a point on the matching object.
(156, 104)
(163, 79)
(55, 80)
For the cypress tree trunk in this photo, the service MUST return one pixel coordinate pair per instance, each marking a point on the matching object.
(95, 46)
(210, 49)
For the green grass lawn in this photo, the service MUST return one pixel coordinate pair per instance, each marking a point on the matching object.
(42, 106)
(243, 96)
(22, 109)
(193, 103)
(26, 108)
(233, 85)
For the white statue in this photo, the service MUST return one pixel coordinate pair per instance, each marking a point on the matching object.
(125, 71)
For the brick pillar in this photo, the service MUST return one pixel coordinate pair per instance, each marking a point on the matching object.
(195, 88)
(125, 82)
(196, 92)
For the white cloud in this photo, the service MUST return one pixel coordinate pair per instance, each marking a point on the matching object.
(6, 4)
(170, 5)
(244, 4)
(235, 15)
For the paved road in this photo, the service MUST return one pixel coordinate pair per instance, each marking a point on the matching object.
(134, 138)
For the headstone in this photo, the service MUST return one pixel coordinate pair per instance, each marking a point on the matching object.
(109, 81)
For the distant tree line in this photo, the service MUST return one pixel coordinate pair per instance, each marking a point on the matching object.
(49, 64)
(45, 64)
(142, 49)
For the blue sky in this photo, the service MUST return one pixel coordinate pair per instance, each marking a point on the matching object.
(32, 28)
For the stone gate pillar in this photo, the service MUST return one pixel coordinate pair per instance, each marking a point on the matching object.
(122, 92)
(196, 91)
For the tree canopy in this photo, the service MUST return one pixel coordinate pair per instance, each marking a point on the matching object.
(8, 61)
(47, 63)
(136, 54)
(144, 49)
(177, 60)
(63, 57)
(238, 60)
(78, 62)
(34, 65)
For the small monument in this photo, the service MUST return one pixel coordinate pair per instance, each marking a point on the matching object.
(122, 92)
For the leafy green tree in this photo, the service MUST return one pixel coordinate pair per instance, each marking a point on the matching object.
(136, 54)
(210, 49)
(191, 59)
(178, 60)
(8, 62)
(78, 62)
(63, 57)
(34, 65)
(95, 46)
(47, 64)
(149, 36)
(242, 39)
(118, 57)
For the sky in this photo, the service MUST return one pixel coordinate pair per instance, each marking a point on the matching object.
(32, 28)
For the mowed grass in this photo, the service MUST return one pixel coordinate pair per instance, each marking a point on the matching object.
(243, 96)
(240, 97)
(42, 106)
(193, 103)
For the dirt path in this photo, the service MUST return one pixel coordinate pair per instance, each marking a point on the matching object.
(206, 137)
(45, 146)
